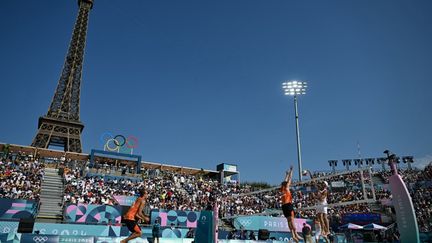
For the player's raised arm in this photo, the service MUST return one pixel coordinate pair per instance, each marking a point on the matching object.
(288, 176)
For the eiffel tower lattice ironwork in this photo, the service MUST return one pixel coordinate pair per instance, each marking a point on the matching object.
(62, 126)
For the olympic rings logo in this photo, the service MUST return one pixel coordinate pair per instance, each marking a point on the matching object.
(245, 222)
(40, 239)
(118, 143)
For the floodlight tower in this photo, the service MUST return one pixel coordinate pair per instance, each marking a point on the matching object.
(409, 160)
(346, 163)
(333, 164)
(295, 88)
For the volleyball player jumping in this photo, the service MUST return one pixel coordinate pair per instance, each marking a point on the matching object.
(287, 205)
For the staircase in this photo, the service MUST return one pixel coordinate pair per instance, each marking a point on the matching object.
(51, 197)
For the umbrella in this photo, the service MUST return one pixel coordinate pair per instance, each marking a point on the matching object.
(374, 227)
(351, 226)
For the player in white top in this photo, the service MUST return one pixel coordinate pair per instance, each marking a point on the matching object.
(322, 208)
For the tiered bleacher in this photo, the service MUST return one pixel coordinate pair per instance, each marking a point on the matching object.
(87, 189)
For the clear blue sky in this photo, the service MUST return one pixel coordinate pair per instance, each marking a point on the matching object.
(199, 82)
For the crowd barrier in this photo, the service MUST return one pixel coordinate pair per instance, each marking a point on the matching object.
(93, 214)
(277, 224)
(37, 238)
(104, 233)
(178, 218)
(361, 218)
(107, 214)
(17, 209)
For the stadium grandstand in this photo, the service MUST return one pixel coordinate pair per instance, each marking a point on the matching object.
(68, 196)
(111, 194)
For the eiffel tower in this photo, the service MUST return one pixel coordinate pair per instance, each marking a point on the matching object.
(61, 126)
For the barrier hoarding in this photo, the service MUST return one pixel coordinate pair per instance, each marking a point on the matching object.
(91, 213)
(17, 209)
(178, 218)
(278, 224)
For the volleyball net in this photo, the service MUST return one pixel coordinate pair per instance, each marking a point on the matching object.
(353, 188)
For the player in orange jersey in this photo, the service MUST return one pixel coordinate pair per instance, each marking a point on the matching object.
(287, 204)
(134, 215)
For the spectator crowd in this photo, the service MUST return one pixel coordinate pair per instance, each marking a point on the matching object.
(22, 178)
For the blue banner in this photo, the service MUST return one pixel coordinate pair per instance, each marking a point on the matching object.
(278, 224)
(93, 213)
(79, 230)
(361, 218)
(9, 228)
(77, 239)
(35, 238)
(17, 209)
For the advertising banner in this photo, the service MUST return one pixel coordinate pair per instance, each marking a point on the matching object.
(231, 168)
(337, 184)
(17, 209)
(78, 229)
(178, 218)
(35, 238)
(255, 223)
(125, 200)
(91, 213)
(76, 239)
(361, 218)
(8, 229)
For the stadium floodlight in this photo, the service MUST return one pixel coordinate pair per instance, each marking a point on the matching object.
(358, 162)
(383, 162)
(370, 161)
(296, 88)
(346, 163)
(333, 164)
(408, 160)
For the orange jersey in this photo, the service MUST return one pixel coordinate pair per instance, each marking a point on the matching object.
(133, 210)
(286, 196)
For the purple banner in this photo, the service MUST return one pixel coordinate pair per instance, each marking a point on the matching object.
(17, 209)
(125, 200)
(178, 218)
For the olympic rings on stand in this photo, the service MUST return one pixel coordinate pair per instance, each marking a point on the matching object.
(134, 144)
(121, 142)
(118, 142)
(107, 145)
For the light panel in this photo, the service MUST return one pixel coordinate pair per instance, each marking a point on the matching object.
(294, 87)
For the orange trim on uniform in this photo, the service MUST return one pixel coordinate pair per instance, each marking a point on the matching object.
(286, 196)
(133, 210)
(137, 229)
